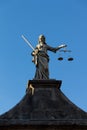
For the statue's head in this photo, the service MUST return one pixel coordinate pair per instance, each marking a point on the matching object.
(41, 38)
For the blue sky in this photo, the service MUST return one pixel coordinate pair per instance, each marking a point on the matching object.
(61, 21)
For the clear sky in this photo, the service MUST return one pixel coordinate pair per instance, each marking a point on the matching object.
(61, 21)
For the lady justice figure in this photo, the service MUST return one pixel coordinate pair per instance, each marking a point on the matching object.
(41, 58)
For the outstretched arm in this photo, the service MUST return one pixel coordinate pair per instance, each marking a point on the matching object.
(61, 46)
(54, 49)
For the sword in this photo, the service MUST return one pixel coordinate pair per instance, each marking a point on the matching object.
(27, 42)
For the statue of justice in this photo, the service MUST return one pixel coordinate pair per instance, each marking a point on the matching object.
(41, 58)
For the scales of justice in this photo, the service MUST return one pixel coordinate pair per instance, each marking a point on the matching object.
(41, 58)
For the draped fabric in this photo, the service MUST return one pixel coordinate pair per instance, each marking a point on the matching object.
(42, 69)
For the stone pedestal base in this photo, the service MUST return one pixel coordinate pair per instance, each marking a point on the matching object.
(42, 84)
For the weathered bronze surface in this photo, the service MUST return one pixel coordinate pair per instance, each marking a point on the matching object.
(41, 58)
